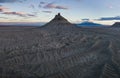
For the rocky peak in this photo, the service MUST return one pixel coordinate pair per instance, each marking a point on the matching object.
(58, 19)
(59, 25)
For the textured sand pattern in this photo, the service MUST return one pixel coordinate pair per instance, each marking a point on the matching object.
(60, 50)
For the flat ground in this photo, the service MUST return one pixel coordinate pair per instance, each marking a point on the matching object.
(34, 52)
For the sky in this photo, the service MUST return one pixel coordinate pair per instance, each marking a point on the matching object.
(76, 11)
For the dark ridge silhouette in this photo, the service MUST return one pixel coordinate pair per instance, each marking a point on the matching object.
(117, 24)
(60, 25)
(59, 49)
(58, 19)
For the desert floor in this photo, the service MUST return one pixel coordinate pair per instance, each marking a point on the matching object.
(41, 52)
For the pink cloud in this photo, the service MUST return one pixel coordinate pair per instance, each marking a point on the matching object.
(15, 13)
(22, 14)
(2, 9)
(6, 11)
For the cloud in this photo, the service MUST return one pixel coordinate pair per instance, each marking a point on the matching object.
(49, 6)
(47, 11)
(10, 1)
(110, 18)
(42, 2)
(86, 19)
(4, 17)
(4, 1)
(21, 1)
(2, 8)
(22, 14)
(61, 7)
(54, 6)
(14, 13)
(6, 11)
(32, 6)
(32, 15)
(39, 6)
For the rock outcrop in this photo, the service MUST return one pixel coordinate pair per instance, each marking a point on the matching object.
(117, 24)
(59, 24)
(58, 19)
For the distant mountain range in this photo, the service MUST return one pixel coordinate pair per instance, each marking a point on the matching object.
(87, 24)
(21, 23)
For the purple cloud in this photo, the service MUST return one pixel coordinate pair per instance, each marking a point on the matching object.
(31, 15)
(61, 7)
(22, 14)
(42, 2)
(53, 6)
(14, 13)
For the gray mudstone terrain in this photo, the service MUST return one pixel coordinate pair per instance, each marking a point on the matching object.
(59, 49)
